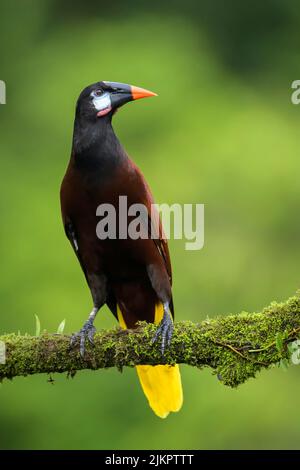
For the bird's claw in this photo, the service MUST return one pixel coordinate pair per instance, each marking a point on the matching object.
(87, 332)
(165, 330)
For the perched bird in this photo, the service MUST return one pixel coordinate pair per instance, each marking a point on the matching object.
(132, 276)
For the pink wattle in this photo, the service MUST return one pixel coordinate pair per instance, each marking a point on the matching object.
(103, 112)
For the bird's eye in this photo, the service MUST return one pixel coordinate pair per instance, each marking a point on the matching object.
(97, 92)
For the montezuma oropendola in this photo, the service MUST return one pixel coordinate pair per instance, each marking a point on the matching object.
(132, 276)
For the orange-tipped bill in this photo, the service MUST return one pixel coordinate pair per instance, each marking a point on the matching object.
(116, 94)
(138, 93)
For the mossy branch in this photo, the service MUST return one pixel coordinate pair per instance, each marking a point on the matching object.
(235, 347)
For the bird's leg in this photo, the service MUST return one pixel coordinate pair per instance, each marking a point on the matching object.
(87, 332)
(165, 329)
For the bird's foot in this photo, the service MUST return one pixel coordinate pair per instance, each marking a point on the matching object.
(164, 330)
(87, 332)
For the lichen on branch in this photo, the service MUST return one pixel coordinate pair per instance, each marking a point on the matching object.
(235, 347)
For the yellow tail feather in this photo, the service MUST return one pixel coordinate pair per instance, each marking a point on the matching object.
(161, 384)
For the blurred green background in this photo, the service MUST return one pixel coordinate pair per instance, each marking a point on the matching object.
(222, 132)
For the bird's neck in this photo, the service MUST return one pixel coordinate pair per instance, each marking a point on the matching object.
(95, 145)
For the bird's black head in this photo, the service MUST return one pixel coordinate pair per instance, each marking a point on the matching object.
(104, 98)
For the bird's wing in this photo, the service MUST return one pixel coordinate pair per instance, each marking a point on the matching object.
(69, 225)
(71, 234)
(155, 228)
(159, 238)
(154, 224)
(161, 244)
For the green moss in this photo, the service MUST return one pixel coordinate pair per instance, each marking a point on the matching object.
(235, 347)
